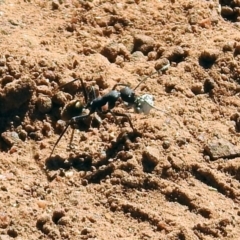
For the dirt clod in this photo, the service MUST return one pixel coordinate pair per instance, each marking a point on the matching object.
(143, 43)
(14, 94)
(151, 157)
(113, 50)
(209, 85)
(44, 104)
(208, 57)
(4, 220)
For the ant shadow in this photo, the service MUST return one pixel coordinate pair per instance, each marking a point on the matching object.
(85, 162)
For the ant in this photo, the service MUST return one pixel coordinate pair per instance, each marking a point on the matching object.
(126, 94)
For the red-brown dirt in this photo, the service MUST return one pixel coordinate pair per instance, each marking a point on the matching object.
(176, 176)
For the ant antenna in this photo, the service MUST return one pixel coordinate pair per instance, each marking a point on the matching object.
(158, 71)
(160, 110)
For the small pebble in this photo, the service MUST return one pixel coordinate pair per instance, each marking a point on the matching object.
(69, 174)
(166, 144)
(64, 221)
(161, 63)
(10, 138)
(197, 88)
(152, 155)
(49, 75)
(60, 125)
(29, 128)
(42, 204)
(47, 128)
(22, 135)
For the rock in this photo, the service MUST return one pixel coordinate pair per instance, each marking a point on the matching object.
(166, 144)
(42, 204)
(7, 79)
(237, 48)
(221, 148)
(22, 135)
(127, 41)
(50, 75)
(152, 56)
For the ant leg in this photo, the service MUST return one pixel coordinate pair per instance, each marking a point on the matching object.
(122, 115)
(77, 118)
(119, 84)
(71, 139)
(72, 121)
(56, 143)
(64, 85)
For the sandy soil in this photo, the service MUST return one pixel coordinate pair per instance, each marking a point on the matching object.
(175, 176)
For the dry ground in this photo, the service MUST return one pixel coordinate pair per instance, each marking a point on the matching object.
(176, 176)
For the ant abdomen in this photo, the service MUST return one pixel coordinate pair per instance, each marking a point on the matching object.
(72, 109)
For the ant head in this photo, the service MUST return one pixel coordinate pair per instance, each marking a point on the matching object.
(127, 95)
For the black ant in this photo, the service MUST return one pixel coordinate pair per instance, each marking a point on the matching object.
(126, 94)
